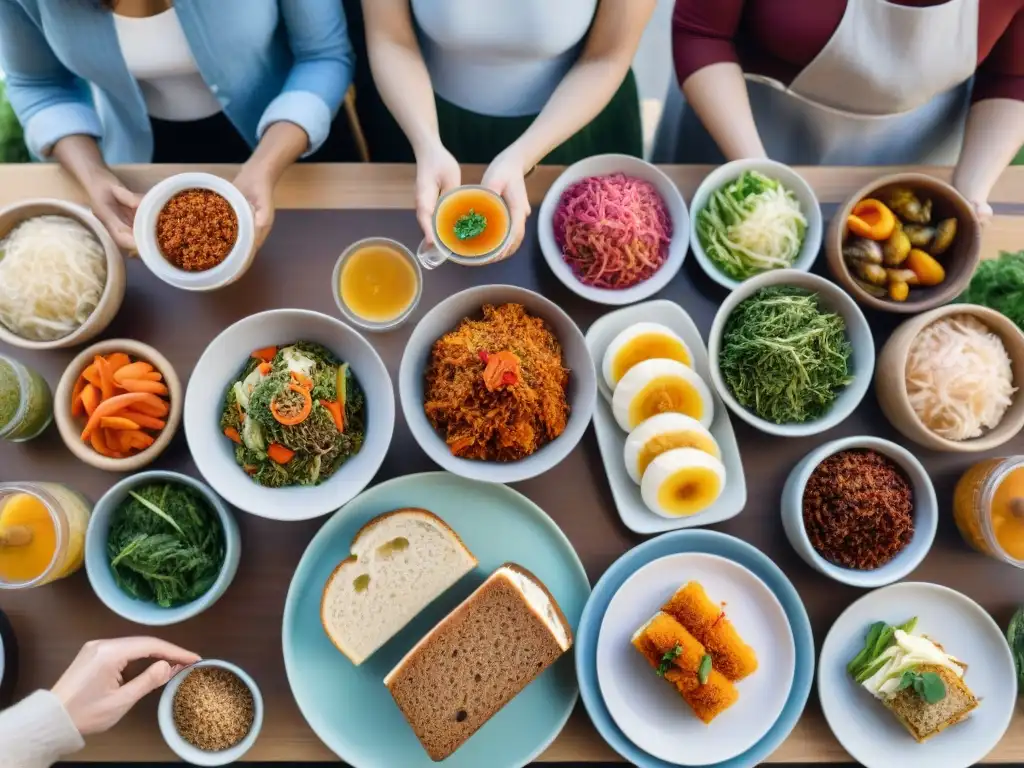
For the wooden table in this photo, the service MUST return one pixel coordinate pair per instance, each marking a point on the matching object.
(52, 622)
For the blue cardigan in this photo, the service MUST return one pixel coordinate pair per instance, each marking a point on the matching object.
(265, 60)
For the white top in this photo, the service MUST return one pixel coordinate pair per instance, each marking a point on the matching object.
(158, 56)
(500, 57)
(37, 732)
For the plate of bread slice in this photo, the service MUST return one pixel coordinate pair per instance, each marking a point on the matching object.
(695, 658)
(917, 674)
(439, 611)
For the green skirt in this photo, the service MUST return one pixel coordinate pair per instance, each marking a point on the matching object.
(476, 138)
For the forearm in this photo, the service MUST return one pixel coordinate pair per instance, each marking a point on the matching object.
(282, 144)
(80, 156)
(404, 85)
(718, 94)
(36, 733)
(994, 134)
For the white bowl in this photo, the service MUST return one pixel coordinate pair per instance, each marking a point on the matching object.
(225, 273)
(790, 179)
(221, 363)
(926, 513)
(194, 755)
(832, 298)
(602, 165)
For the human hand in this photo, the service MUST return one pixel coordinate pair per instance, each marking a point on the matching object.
(982, 209)
(93, 691)
(437, 171)
(506, 175)
(114, 205)
(257, 185)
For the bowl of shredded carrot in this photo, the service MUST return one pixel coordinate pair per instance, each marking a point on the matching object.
(118, 405)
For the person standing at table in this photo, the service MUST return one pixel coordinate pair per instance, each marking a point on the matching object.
(98, 82)
(510, 83)
(90, 697)
(854, 82)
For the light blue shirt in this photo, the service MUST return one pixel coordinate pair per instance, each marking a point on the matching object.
(267, 61)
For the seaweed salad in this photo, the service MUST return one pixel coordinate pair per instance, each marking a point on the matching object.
(295, 413)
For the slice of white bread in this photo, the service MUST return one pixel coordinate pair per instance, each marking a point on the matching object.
(478, 659)
(400, 562)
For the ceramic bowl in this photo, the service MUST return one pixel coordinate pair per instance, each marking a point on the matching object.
(97, 564)
(832, 298)
(445, 317)
(347, 313)
(218, 366)
(70, 427)
(926, 513)
(194, 755)
(228, 271)
(113, 290)
(603, 165)
(791, 180)
(890, 380)
(959, 261)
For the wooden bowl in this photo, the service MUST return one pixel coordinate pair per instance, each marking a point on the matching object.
(959, 261)
(70, 427)
(890, 380)
(113, 291)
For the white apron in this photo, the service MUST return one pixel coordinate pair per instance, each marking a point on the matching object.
(892, 86)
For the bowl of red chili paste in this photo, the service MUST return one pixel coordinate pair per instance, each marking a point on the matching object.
(861, 510)
(614, 229)
(195, 231)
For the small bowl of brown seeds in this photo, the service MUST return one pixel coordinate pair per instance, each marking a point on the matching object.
(210, 713)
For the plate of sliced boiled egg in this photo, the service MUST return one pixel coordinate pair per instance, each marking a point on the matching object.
(665, 438)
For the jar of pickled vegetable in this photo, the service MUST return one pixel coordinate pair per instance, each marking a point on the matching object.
(42, 533)
(26, 406)
(988, 505)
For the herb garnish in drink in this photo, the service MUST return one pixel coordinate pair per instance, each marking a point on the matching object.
(470, 225)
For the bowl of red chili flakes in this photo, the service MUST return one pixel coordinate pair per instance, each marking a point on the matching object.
(195, 231)
(860, 510)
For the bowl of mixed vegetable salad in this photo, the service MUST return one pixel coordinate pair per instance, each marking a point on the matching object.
(289, 414)
(751, 217)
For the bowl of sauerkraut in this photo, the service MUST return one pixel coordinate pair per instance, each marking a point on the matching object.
(62, 278)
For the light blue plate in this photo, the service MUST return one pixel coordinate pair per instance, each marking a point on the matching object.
(715, 544)
(349, 708)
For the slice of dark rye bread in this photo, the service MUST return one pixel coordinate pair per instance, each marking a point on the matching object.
(480, 657)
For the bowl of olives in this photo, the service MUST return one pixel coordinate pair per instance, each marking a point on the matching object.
(905, 243)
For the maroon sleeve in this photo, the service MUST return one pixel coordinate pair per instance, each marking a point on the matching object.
(703, 32)
(1001, 74)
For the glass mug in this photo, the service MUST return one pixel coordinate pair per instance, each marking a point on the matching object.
(484, 248)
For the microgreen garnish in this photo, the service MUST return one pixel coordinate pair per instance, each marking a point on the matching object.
(667, 658)
(470, 225)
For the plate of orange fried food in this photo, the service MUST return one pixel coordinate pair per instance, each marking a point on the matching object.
(695, 658)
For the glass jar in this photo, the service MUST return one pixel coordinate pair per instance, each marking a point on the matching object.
(26, 405)
(42, 533)
(988, 506)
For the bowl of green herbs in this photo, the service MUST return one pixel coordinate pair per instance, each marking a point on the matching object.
(161, 547)
(791, 353)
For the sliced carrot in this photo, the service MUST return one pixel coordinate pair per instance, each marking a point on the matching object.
(151, 376)
(138, 385)
(336, 413)
(138, 440)
(112, 407)
(232, 435)
(266, 354)
(250, 469)
(152, 406)
(291, 419)
(265, 368)
(132, 371)
(280, 453)
(302, 379)
(145, 421)
(106, 377)
(100, 446)
(117, 361)
(91, 374)
(113, 440)
(77, 407)
(117, 422)
(90, 398)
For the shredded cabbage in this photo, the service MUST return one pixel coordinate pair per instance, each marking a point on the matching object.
(52, 274)
(751, 225)
(959, 377)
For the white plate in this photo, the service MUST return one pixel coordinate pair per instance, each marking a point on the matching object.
(612, 440)
(603, 165)
(650, 711)
(867, 730)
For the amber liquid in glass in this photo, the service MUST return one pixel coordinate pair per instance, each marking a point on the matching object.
(378, 283)
(460, 203)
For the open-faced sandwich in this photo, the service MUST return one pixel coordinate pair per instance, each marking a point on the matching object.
(914, 678)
